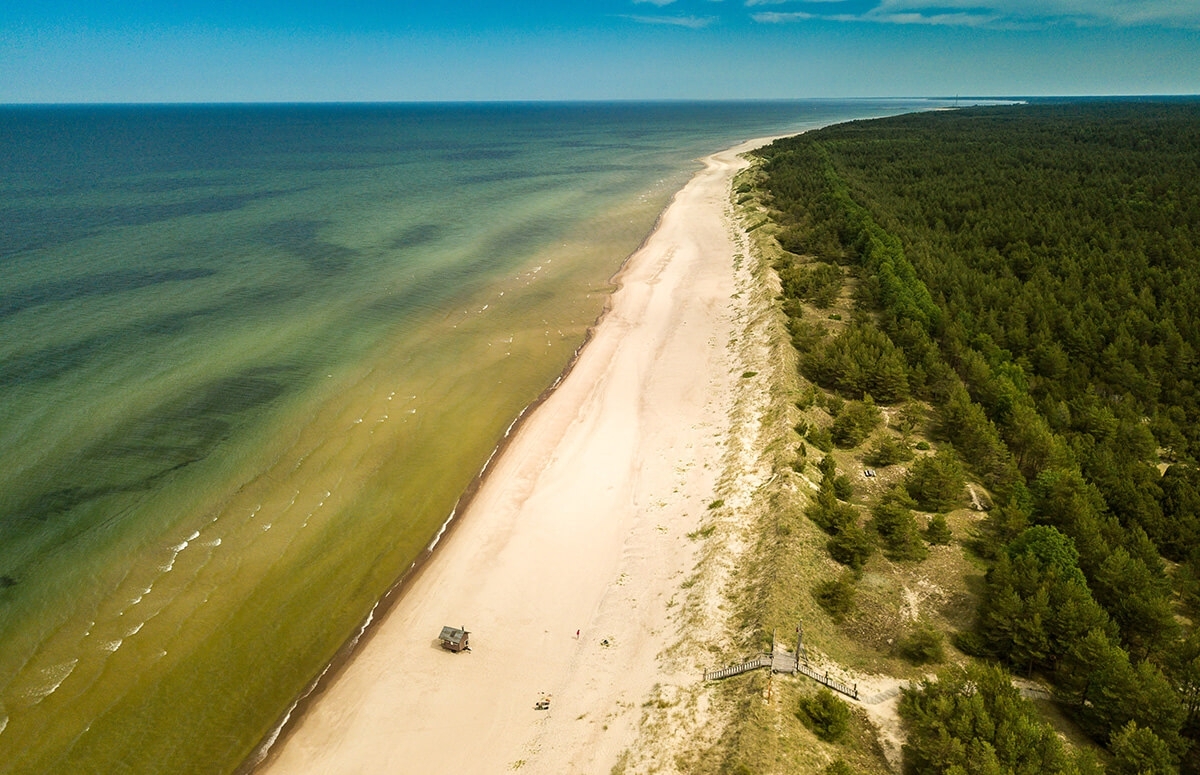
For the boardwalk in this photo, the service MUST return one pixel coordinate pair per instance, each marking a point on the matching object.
(745, 667)
(832, 683)
(787, 663)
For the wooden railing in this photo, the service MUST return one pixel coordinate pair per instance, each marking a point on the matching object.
(763, 660)
(832, 683)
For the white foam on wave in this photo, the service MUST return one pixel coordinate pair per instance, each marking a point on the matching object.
(273, 736)
(138, 599)
(54, 677)
(175, 550)
(3, 724)
(440, 532)
(507, 431)
(135, 630)
(259, 755)
(113, 645)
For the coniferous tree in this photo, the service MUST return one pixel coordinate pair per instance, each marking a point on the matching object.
(935, 482)
(1138, 751)
(974, 720)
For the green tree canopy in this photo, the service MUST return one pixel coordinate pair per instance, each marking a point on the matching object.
(936, 482)
(973, 720)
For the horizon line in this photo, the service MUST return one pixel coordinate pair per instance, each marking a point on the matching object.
(601, 101)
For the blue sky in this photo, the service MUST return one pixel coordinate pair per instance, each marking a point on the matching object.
(225, 50)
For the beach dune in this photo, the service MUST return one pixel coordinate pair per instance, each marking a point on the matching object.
(580, 527)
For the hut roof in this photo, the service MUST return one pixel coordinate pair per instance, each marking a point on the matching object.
(452, 635)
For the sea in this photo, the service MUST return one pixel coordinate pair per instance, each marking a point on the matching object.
(251, 357)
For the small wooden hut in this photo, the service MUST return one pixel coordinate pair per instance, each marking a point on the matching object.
(454, 639)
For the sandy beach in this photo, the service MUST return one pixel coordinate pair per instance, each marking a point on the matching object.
(581, 526)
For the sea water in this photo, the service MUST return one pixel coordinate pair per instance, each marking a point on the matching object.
(251, 356)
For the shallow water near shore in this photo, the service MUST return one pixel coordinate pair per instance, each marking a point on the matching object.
(251, 356)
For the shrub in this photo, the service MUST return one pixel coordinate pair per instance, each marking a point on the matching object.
(830, 515)
(851, 546)
(843, 488)
(836, 597)
(938, 533)
(855, 423)
(826, 715)
(910, 417)
(897, 527)
(936, 483)
(887, 450)
(922, 646)
(820, 438)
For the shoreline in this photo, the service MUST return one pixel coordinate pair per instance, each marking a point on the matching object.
(300, 724)
(262, 753)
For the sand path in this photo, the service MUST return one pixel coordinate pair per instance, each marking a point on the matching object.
(581, 525)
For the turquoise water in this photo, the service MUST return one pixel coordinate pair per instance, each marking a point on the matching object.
(250, 356)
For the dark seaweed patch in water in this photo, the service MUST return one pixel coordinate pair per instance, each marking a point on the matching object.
(415, 236)
(160, 185)
(300, 238)
(53, 362)
(139, 455)
(56, 361)
(481, 154)
(7, 581)
(102, 284)
(33, 227)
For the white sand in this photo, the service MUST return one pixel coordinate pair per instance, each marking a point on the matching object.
(581, 525)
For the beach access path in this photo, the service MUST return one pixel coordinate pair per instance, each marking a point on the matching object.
(581, 525)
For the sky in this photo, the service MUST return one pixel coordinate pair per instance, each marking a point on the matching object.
(451, 50)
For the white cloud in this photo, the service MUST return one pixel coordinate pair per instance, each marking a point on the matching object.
(659, 3)
(773, 17)
(1002, 13)
(691, 22)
